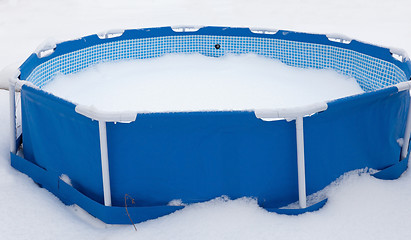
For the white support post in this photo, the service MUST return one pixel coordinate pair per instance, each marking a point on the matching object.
(404, 151)
(103, 117)
(301, 162)
(104, 162)
(12, 96)
(296, 114)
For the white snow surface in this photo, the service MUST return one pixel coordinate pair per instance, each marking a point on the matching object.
(359, 206)
(193, 82)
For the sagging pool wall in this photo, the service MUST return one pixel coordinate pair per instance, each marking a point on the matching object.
(199, 156)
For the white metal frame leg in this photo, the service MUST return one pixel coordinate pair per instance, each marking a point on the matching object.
(104, 163)
(404, 151)
(12, 95)
(301, 162)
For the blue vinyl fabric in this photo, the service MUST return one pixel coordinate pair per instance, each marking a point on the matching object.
(236, 154)
(197, 156)
(55, 137)
(202, 155)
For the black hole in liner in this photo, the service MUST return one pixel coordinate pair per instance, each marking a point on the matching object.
(217, 46)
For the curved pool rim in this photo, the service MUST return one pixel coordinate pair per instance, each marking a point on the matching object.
(170, 156)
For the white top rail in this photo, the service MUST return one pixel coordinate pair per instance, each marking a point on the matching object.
(106, 116)
(264, 114)
(403, 86)
(290, 113)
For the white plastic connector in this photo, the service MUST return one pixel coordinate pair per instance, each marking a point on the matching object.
(186, 28)
(110, 33)
(399, 54)
(13, 77)
(263, 31)
(10, 71)
(403, 86)
(100, 115)
(46, 48)
(336, 37)
(20, 83)
(290, 113)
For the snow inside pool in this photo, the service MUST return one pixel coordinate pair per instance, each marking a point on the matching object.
(192, 82)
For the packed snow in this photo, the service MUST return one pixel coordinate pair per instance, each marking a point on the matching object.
(193, 82)
(359, 206)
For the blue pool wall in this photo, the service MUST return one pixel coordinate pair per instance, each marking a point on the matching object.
(197, 156)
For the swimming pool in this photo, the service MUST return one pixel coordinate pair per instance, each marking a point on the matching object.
(95, 159)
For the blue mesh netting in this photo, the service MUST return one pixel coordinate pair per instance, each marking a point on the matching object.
(371, 73)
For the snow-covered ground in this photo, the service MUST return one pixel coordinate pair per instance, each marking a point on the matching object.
(359, 207)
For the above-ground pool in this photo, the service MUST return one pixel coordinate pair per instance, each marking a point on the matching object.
(98, 159)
